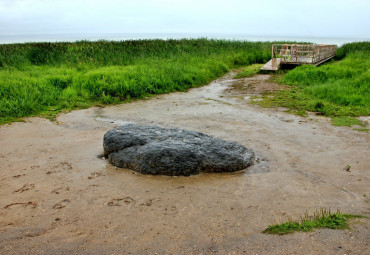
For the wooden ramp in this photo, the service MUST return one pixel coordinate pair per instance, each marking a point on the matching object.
(299, 54)
(272, 65)
(324, 60)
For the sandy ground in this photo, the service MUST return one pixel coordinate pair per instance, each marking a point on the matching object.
(57, 196)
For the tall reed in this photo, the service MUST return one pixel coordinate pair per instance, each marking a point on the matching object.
(45, 78)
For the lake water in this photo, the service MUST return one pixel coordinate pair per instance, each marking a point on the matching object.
(6, 39)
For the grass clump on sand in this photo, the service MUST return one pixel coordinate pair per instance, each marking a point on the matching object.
(337, 88)
(46, 78)
(249, 71)
(321, 219)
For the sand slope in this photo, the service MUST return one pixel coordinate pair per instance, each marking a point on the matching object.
(57, 196)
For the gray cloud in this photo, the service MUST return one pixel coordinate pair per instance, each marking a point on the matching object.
(263, 17)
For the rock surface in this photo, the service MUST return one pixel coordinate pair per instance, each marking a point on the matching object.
(155, 150)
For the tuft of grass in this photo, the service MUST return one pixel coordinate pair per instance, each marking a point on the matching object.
(322, 218)
(346, 121)
(249, 71)
(298, 112)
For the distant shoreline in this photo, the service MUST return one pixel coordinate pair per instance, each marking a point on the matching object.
(28, 38)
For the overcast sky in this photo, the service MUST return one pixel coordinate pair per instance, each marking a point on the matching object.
(325, 18)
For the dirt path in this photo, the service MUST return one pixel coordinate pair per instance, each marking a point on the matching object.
(58, 197)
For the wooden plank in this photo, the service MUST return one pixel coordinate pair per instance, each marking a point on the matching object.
(324, 60)
(272, 65)
(307, 61)
(301, 60)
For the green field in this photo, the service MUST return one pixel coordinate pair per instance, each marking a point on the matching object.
(46, 78)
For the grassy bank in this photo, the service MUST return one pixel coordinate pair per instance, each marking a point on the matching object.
(338, 88)
(248, 71)
(46, 78)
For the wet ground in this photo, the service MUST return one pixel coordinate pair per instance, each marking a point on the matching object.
(57, 196)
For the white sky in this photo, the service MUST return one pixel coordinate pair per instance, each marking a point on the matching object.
(325, 18)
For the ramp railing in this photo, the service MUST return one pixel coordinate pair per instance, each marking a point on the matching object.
(303, 53)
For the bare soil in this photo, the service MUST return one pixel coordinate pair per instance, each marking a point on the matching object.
(58, 196)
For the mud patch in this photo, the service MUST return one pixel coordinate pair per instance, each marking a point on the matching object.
(32, 205)
(257, 85)
(24, 188)
(121, 201)
(61, 204)
(114, 121)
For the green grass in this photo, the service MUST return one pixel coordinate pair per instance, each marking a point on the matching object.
(46, 78)
(321, 219)
(361, 129)
(249, 71)
(337, 88)
(346, 121)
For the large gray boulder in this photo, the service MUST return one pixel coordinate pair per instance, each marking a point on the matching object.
(155, 150)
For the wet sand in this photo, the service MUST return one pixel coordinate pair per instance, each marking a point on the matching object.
(57, 196)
